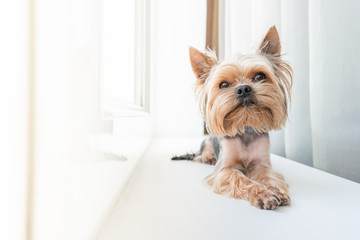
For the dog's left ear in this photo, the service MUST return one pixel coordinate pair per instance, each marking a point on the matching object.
(200, 62)
(271, 42)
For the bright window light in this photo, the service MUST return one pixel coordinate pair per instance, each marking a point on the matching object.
(119, 50)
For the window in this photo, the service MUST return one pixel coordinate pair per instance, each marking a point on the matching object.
(125, 53)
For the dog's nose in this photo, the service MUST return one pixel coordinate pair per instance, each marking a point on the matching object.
(243, 91)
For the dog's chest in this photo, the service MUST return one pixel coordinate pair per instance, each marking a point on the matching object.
(244, 149)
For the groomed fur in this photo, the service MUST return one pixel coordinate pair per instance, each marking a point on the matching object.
(241, 100)
(220, 110)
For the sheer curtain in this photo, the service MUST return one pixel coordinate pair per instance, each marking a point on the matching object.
(320, 39)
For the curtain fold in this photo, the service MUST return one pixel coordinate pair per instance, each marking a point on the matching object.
(321, 41)
(295, 47)
(334, 35)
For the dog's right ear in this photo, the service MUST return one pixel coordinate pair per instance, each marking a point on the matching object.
(201, 63)
(271, 42)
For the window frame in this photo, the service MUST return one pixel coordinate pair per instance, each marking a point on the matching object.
(115, 108)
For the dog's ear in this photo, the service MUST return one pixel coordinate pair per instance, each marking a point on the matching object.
(201, 63)
(271, 42)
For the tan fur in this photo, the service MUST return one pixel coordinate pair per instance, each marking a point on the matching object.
(201, 63)
(219, 106)
(244, 170)
(246, 173)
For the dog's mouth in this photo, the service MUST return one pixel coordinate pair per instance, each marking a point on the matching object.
(243, 103)
(247, 102)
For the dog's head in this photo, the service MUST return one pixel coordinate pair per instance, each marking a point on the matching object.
(250, 90)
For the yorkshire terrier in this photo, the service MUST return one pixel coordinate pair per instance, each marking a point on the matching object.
(241, 100)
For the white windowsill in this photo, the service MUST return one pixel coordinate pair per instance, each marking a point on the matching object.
(117, 108)
(167, 199)
(124, 152)
(114, 160)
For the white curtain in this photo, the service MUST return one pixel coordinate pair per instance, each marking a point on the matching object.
(321, 40)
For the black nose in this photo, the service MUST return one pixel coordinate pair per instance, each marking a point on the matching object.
(243, 91)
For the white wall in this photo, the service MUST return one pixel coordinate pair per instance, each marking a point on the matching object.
(178, 25)
(14, 73)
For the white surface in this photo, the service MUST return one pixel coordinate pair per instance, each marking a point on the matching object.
(168, 200)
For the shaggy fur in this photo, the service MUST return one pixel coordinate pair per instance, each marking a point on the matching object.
(239, 123)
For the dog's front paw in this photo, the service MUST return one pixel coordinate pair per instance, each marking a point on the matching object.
(283, 196)
(266, 200)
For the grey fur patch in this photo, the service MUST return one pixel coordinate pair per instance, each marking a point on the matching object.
(249, 130)
(249, 136)
(216, 146)
(203, 143)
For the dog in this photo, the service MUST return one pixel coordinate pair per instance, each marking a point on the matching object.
(241, 99)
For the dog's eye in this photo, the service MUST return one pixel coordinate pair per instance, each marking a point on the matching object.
(224, 85)
(259, 76)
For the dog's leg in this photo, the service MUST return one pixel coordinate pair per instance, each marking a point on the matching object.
(233, 183)
(205, 155)
(231, 178)
(274, 181)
